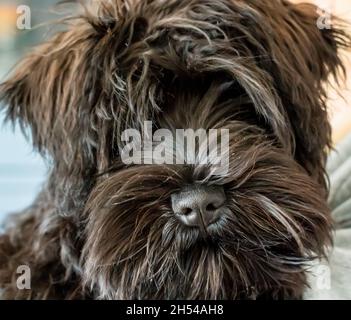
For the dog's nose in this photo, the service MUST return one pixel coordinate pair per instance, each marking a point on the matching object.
(198, 206)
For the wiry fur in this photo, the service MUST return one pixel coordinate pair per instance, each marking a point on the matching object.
(100, 229)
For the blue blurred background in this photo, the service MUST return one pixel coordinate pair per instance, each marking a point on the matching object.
(22, 171)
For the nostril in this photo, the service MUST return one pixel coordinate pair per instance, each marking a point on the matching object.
(211, 207)
(186, 211)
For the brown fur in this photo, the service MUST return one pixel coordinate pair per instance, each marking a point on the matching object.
(100, 229)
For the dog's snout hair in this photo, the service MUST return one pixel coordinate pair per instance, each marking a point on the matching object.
(104, 229)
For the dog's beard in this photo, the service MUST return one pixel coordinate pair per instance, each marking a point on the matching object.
(276, 219)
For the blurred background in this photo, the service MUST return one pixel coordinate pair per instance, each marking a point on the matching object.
(21, 170)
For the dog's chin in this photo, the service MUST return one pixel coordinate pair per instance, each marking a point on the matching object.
(275, 220)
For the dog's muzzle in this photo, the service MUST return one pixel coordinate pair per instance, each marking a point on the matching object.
(199, 206)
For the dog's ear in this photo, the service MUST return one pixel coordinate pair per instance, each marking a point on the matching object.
(315, 37)
(41, 92)
(64, 88)
(54, 92)
(32, 94)
(68, 91)
(59, 89)
(306, 52)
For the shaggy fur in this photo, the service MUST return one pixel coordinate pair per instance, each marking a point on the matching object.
(100, 229)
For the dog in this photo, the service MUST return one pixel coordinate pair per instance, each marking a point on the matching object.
(101, 229)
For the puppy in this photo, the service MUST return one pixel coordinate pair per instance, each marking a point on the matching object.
(103, 229)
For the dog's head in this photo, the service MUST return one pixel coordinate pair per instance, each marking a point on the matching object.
(256, 68)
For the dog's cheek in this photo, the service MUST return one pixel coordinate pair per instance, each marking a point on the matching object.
(124, 230)
(278, 214)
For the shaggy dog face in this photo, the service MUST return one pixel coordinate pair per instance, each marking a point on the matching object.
(102, 229)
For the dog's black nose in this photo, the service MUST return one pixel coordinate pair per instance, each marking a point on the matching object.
(198, 206)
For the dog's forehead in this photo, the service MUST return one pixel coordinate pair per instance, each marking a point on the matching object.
(187, 17)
